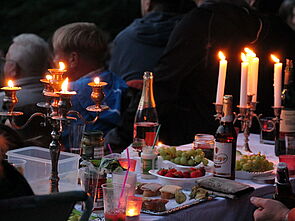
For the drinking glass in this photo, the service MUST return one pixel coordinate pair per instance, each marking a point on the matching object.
(124, 164)
(118, 177)
(267, 133)
(91, 182)
(114, 202)
(75, 135)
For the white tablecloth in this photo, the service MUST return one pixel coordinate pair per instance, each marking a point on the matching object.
(220, 208)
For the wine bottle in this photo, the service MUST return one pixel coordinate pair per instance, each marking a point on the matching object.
(287, 123)
(225, 143)
(146, 117)
(284, 192)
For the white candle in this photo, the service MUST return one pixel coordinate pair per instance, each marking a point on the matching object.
(221, 78)
(277, 81)
(244, 79)
(253, 81)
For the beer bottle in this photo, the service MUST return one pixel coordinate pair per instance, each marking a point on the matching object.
(225, 143)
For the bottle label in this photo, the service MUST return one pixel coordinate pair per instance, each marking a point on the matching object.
(222, 159)
(287, 124)
(148, 164)
(98, 152)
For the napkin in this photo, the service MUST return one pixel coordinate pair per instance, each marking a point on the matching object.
(224, 187)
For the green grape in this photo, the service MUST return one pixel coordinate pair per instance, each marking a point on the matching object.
(162, 153)
(191, 152)
(184, 154)
(199, 151)
(205, 161)
(178, 153)
(166, 157)
(183, 161)
(198, 159)
(177, 160)
(238, 165)
(173, 149)
(191, 162)
(246, 167)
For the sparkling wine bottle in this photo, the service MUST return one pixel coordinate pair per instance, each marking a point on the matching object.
(225, 143)
(284, 192)
(146, 118)
(287, 123)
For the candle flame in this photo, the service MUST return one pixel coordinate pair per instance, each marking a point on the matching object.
(243, 57)
(221, 55)
(159, 144)
(61, 66)
(10, 83)
(250, 52)
(96, 80)
(48, 77)
(274, 58)
(64, 86)
(131, 212)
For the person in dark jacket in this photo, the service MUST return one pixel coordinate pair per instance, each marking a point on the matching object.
(139, 46)
(187, 73)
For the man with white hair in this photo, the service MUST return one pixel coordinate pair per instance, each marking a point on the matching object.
(26, 61)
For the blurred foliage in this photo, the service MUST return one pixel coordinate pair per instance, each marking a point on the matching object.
(43, 17)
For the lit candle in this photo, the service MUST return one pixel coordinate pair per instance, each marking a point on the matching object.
(252, 73)
(277, 81)
(61, 66)
(64, 88)
(133, 208)
(221, 78)
(48, 77)
(244, 79)
(96, 80)
(10, 87)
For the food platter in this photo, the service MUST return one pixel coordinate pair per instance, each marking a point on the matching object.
(245, 175)
(169, 164)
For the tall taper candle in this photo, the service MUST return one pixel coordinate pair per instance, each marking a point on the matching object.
(221, 78)
(244, 79)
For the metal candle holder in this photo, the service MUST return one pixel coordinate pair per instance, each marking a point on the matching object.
(58, 110)
(246, 115)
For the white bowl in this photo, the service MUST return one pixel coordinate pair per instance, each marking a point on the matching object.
(169, 164)
(185, 183)
(245, 175)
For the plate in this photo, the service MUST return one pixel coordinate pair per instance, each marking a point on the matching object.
(169, 164)
(185, 183)
(244, 175)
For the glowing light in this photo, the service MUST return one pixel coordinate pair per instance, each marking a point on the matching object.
(61, 66)
(10, 83)
(131, 212)
(250, 52)
(64, 86)
(244, 57)
(221, 55)
(48, 77)
(274, 58)
(96, 80)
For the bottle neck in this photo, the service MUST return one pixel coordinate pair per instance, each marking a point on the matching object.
(147, 97)
(227, 114)
(289, 74)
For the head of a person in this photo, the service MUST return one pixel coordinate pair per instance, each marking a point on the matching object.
(82, 46)
(287, 12)
(267, 7)
(171, 6)
(27, 56)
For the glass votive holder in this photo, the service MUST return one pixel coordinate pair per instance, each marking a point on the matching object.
(133, 208)
(206, 143)
(268, 132)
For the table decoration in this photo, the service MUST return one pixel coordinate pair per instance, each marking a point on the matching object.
(133, 208)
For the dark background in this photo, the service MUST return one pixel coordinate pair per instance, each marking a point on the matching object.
(43, 17)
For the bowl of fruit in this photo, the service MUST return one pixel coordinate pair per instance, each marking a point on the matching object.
(183, 160)
(185, 179)
(249, 166)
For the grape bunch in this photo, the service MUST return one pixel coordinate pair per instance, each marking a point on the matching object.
(187, 158)
(254, 163)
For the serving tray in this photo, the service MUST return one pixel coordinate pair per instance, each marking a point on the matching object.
(172, 206)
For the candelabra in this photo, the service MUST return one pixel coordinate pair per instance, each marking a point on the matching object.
(58, 114)
(246, 115)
